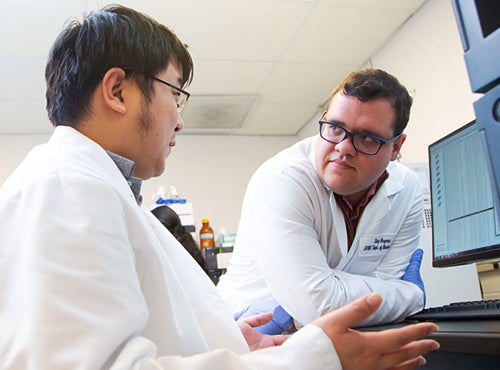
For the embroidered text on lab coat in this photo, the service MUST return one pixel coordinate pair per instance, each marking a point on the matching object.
(373, 245)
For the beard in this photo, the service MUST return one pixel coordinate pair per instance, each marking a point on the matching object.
(144, 120)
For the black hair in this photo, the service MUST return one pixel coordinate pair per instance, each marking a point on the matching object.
(171, 220)
(371, 84)
(115, 36)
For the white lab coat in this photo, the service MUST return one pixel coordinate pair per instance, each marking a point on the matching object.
(90, 280)
(291, 242)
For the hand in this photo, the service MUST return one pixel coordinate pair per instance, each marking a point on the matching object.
(281, 321)
(412, 273)
(389, 349)
(254, 338)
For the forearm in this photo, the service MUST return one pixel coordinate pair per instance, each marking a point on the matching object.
(400, 298)
(305, 304)
(308, 349)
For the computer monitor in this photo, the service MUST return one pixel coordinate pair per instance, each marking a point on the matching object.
(465, 225)
(478, 23)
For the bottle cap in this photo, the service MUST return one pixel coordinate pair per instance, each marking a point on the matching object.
(205, 220)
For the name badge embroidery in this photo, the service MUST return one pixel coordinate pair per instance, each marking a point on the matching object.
(373, 245)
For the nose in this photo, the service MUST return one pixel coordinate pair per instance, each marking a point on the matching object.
(180, 124)
(346, 147)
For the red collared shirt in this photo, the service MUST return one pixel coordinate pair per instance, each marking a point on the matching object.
(352, 213)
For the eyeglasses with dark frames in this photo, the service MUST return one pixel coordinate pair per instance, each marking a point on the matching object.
(363, 143)
(183, 96)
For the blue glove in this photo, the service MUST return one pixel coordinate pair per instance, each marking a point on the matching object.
(280, 322)
(412, 273)
(258, 308)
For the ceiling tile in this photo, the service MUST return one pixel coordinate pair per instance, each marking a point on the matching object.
(31, 26)
(346, 35)
(276, 118)
(234, 30)
(226, 77)
(303, 82)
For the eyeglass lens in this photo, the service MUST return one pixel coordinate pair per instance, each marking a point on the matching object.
(363, 143)
(182, 100)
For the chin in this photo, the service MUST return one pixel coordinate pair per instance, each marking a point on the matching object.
(160, 169)
(151, 172)
(341, 188)
(158, 172)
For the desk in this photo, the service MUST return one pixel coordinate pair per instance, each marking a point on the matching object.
(469, 344)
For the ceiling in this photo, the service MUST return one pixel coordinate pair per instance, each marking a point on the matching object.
(262, 67)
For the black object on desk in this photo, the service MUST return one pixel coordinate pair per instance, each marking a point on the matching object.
(465, 344)
(485, 310)
(210, 254)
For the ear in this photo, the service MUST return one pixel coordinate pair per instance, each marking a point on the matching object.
(113, 85)
(396, 147)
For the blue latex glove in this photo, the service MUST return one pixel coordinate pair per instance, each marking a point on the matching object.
(267, 305)
(412, 273)
(280, 322)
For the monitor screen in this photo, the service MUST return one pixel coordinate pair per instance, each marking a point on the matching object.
(465, 228)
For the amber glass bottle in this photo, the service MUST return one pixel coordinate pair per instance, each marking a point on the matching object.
(207, 239)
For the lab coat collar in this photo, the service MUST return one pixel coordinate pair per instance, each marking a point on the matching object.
(68, 142)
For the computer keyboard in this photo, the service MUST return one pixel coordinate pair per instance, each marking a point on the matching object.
(486, 310)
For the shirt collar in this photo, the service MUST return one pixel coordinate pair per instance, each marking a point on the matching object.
(355, 211)
(126, 167)
(352, 213)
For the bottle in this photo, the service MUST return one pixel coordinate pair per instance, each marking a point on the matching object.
(207, 239)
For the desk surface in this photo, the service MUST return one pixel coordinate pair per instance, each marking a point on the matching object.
(467, 336)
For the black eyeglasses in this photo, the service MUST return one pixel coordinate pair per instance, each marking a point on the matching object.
(183, 96)
(363, 143)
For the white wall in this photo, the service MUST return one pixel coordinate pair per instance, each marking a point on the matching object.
(209, 171)
(212, 172)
